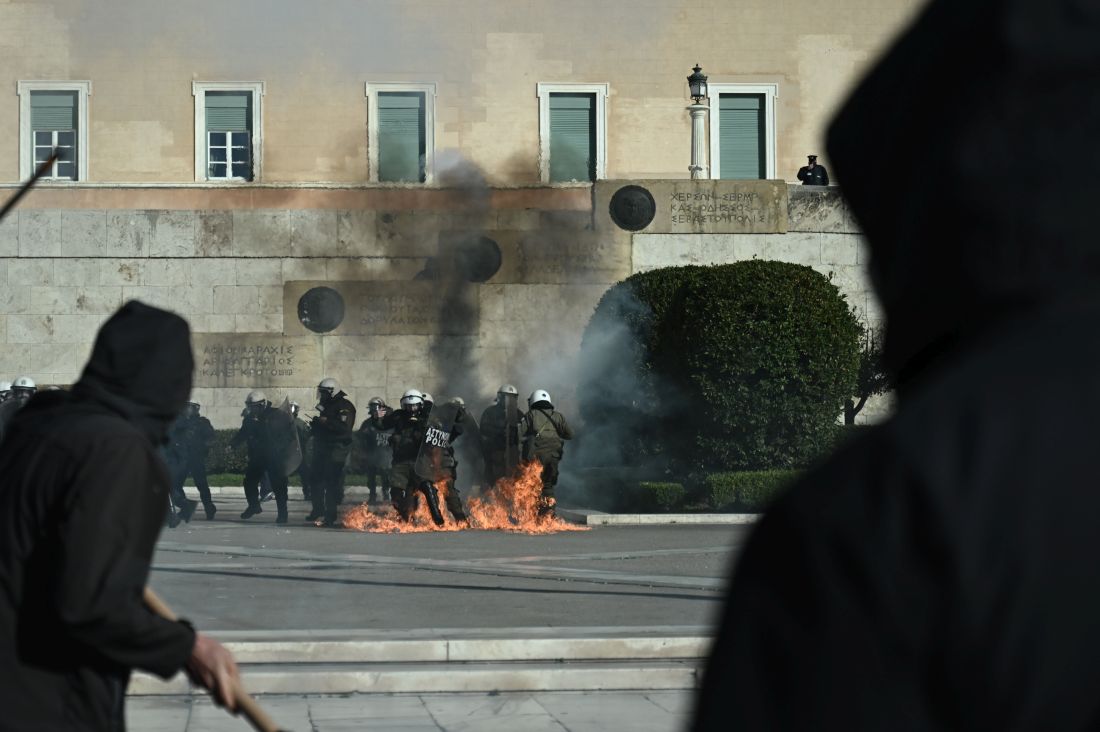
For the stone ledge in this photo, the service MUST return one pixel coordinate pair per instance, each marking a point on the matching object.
(587, 517)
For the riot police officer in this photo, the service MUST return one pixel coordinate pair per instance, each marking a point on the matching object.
(409, 425)
(195, 433)
(376, 450)
(5, 390)
(331, 431)
(21, 392)
(499, 433)
(267, 432)
(544, 433)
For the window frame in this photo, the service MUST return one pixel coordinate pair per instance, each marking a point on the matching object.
(543, 90)
(770, 93)
(256, 90)
(26, 160)
(428, 89)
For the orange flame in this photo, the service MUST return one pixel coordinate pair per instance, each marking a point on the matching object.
(511, 505)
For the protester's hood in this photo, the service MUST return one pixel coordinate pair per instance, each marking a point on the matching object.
(969, 156)
(140, 368)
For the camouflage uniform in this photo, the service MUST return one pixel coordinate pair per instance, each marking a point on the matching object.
(544, 433)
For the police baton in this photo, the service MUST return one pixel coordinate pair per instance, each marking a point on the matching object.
(247, 706)
(42, 170)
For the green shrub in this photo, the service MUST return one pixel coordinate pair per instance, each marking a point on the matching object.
(748, 490)
(765, 354)
(741, 366)
(660, 497)
(221, 458)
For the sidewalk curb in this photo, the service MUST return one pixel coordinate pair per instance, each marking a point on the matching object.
(587, 517)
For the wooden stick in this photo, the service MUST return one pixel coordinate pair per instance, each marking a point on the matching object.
(42, 169)
(246, 705)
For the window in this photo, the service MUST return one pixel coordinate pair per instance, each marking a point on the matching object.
(401, 132)
(742, 131)
(54, 114)
(572, 132)
(228, 130)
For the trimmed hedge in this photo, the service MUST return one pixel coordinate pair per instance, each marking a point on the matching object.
(750, 490)
(659, 497)
(221, 458)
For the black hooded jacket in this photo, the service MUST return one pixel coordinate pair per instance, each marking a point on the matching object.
(940, 572)
(83, 494)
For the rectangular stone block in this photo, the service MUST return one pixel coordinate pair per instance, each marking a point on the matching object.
(691, 206)
(15, 299)
(795, 247)
(173, 233)
(839, 249)
(129, 233)
(386, 308)
(257, 271)
(236, 299)
(812, 208)
(161, 297)
(192, 299)
(402, 375)
(491, 303)
(261, 233)
(255, 360)
(9, 235)
(257, 323)
(83, 233)
(76, 272)
(77, 328)
(213, 271)
(99, 300)
(356, 233)
(269, 301)
(30, 329)
(356, 373)
(372, 269)
(303, 269)
(557, 256)
(219, 323)
(29, 272)
(167, 272)
(313, 234)
(410, 233)
(39, 233)
(376, 348)
(121, 272)
(214, 234)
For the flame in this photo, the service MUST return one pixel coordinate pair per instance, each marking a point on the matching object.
(511, 505)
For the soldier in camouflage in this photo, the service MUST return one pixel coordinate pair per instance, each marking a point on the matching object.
(544, 433)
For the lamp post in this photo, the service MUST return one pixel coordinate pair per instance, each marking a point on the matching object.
(697, 83)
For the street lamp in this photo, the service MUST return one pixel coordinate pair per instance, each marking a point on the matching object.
(697, 84)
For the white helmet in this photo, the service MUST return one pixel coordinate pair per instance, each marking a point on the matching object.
(327, 385)
(25, 383)
(428, 398)
(458, 402)
(254, 398)
(5, 386)
(295, 407)
(539, 395)
(508, 389)
(412, 397)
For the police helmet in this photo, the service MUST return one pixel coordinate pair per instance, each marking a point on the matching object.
(412, 400)
(376, 402)
(24, 383)
(538, 396)
(255, 398)
(5, 387)
(458, 402)
(295, 407)
(508, 389)
(428, 398)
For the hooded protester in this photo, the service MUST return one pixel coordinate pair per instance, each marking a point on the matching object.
(82, 497)
(939, 571)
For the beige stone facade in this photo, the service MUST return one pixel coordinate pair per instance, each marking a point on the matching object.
(484, 56)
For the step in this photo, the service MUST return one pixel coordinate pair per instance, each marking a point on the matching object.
(397, 678)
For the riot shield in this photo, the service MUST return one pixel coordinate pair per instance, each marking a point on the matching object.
(293, 456)
(437, 437)
(511, 434)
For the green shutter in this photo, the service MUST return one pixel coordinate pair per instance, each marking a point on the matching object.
(228, 111)
(741, 136)
(401, 137)
(53, 110)
(572, 137)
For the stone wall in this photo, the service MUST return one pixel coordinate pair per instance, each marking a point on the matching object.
(247, 271)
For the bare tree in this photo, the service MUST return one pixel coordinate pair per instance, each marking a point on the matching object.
(873, 379)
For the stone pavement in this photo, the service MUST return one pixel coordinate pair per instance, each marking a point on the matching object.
(560, 712)
(233, 575)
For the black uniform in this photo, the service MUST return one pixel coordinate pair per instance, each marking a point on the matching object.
(331, 432)
(82, 496)
(939, 571)
(377, 458)
(303, 468)
(494, 435)
(408, 431)
(453, 499)
(192, 434)
(10, 406)
(544, 433)
(815, 176)
(175, 459)
(268, 433)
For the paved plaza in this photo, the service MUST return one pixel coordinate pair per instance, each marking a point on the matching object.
(601, 629)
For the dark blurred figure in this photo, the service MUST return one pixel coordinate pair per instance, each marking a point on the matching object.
(408, 426)
(268, 433)
(331, 432)
(174, 453)
(939, 571)
(195, 433)
(374, 445)
(82, 495)
(813, 174)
